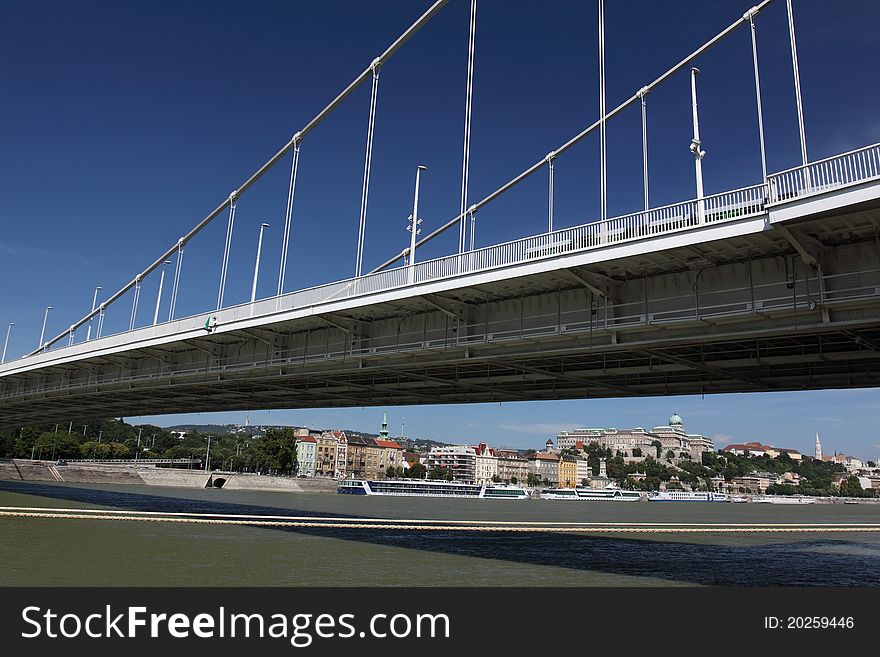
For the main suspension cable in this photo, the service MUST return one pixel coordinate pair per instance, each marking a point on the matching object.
(578, 137)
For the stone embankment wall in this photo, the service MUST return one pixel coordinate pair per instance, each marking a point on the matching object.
(245, 481)
(96, 475)
(25, 470)
(21, 469)
(172, 477)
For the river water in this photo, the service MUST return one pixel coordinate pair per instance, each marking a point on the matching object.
(54, 552)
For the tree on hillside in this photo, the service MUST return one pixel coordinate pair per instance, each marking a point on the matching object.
(851, 487)
(276, 451)
(616, 468)
(440, 472)
(781, 489)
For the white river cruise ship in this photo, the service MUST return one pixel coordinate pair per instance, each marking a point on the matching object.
(687, 496)
(591, 494)
(427, 488)
(783, 499)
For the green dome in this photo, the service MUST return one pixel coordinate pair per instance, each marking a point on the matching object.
(676, 420)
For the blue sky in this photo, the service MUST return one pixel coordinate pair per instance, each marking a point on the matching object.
(123, 124)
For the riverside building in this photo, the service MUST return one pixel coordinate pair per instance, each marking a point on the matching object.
(512, 467)
(305, 456)
(461, 460)
(546, 467)
(485, 464)
(370, 458)
(567, 474)
(331, 454)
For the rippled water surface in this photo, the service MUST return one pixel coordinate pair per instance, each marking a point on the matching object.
(102, 552)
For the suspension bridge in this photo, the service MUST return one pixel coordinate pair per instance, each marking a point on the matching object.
(773, 286)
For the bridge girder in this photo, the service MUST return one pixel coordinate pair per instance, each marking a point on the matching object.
(723, 316)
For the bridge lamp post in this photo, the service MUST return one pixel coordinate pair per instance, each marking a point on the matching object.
(159, 294)
(6, 343)
(263, 227)
(94, 304)
(43, 330)
(696, 149)
(413, 226)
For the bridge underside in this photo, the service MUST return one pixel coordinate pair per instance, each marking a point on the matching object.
(793, 306)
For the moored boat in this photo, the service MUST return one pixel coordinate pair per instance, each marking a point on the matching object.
(591, 494)
(784, 499)
(428, 488)
(687, 496)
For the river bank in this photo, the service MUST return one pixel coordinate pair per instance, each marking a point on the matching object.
(98, 473)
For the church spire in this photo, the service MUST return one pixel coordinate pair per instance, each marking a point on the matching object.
(383, 434)
(818, 448)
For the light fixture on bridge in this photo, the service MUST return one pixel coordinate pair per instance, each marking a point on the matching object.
(263, 227)
(92, 316)
(6, 342)
(43, 331)
(414, 223)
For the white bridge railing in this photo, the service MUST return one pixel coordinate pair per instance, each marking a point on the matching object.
(843, 170)
(677, 217)
(831, 173)
(737, 204)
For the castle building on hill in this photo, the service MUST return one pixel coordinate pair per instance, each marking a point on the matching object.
(671, 436)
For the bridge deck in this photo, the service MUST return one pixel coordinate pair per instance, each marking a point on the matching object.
(767, 288)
